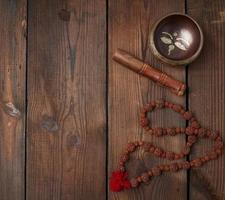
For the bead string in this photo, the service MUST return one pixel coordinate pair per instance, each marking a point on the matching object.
(119, 179)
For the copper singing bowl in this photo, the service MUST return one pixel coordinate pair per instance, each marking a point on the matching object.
(176, 39)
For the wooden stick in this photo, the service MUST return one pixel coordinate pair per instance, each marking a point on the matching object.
(154, 74)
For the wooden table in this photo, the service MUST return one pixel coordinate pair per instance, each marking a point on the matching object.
(67, 109)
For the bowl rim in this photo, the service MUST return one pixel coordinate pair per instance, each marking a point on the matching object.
(171, 61)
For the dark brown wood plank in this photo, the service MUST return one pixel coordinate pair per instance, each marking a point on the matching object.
(12, 98)
(66, 100)
(129, 23)
(207, 95)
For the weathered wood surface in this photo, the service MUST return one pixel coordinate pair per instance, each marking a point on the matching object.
(12, 98)
(66, 138)
(207, 95)
(77, 101)
(129, 23)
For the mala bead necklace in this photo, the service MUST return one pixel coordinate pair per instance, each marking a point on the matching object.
(119, 179)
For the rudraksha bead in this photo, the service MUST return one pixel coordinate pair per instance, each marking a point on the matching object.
(124, 158)
(170, 155)
(174, 167)
(187, 115)
(157, 151)
(156, 171)
(177, 108)
(131, 147)
(145, 177)
(186, 165)
(160, 103)
(134, 183)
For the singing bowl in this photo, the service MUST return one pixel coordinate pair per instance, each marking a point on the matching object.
(176, 39)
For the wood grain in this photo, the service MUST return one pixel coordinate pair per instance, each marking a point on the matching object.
(129, 23)
(66, 100)
(207, 96)
(12, 98)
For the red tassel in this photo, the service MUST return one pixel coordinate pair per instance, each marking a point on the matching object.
(119, 181)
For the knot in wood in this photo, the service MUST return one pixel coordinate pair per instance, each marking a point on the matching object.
(49, 124)
(11, 110)
(64, 15)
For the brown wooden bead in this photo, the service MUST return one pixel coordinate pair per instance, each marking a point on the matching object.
(189, 144)
(157, 151)
(150, 131)
(159, 132)
(139, 179)
(174, 167)
(122, 168)
(144, 110)
(218, 139)
(186, 165)
(192, 139)
(197, 162)
(131, 147)
(156, 171)
(136, 143)
(180, 165)
(182, 130)
(145, 177)
(201, 132)
(121, 163)
(206, 158)
(150, 108)
(152, 149)
(186, 150)
(166, 167)
(213, 136)
(187, 115)
(182, 111)
(144, 122)
(164, 131)
(142, 115)
(178, 130)
(170, 155)
(160, 103)
(163, 155)
(153, 104)
(202, 159)
(146, 128)
(124, 158)
(219, 145)
(166, 103)
(161, 167)
(170, 105)
(177, 108)
(150, 173)
(217, 134)
(192, 119)
(195, 124)
(177, 156)
(218, 151)
(171, 131)
(208, 133)
(134, 183)
(190, 130)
